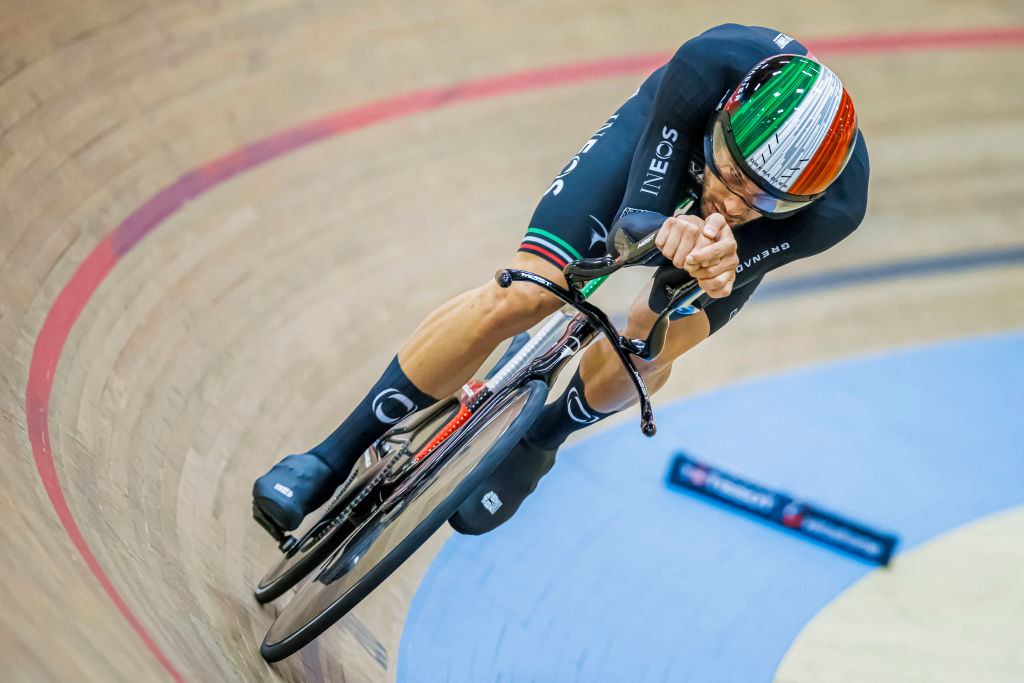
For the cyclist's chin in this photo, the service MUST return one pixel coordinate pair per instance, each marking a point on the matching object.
(708, 207)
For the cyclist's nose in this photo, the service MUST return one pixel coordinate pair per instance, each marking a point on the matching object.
(732, 204)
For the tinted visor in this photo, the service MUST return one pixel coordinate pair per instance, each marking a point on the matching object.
(722, 163)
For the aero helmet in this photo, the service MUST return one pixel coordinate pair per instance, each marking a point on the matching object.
(789, 127)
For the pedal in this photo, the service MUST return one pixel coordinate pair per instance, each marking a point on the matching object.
(285, 541)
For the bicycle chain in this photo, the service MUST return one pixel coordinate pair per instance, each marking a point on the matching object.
(344, 514)
(380, 476)
(344, 486)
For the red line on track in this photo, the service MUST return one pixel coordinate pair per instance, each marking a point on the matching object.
(54, 334)
(87, 278)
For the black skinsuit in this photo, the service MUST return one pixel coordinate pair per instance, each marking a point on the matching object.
(634, 170)
(650, 154)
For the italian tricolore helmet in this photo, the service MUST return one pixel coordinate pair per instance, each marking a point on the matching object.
(789, 127)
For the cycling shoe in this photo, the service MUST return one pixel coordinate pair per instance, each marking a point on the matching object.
(293, 488)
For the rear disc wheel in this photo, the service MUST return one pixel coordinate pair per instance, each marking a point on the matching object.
(406, 519)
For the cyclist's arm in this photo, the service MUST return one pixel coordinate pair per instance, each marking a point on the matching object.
(659, 170)
(699, 75)
(692, 83)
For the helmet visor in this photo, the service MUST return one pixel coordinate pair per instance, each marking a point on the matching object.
(721, 162)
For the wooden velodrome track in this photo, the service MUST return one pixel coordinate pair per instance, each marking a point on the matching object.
(267, 301)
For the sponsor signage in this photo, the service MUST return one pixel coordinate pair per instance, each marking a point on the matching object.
(806, 519)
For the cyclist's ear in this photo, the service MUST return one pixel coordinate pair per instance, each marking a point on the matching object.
(631, 227)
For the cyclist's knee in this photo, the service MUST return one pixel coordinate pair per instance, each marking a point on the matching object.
(508, 311)
(683, 333)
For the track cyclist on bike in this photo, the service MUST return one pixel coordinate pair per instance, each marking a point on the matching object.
(742, 121)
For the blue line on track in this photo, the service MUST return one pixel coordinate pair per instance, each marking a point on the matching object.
(818, 282)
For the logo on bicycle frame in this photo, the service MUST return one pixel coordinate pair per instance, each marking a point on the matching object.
(572, 345)
(391, 405)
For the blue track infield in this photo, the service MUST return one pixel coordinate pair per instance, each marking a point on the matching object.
(606, 574)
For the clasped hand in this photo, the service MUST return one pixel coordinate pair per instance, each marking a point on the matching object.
(706, 249)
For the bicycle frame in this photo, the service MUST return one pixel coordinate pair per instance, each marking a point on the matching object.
(583, 277)
(384, 499)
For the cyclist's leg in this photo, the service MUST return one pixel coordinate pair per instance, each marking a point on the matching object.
(441, 355)
(454, 340)
(607, 386)
(598, 389)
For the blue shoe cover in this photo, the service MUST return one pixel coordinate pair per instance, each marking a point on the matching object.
(293, 488)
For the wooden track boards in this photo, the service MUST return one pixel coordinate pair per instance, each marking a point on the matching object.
(227, 337)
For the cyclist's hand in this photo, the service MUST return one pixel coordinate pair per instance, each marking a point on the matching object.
(680, 235)
(714, 262)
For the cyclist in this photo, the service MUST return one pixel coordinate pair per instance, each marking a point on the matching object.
(743, 121)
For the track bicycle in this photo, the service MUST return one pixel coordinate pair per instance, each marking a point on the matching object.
(415, 477)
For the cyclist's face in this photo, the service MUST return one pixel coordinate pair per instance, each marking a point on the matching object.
(729, 184)
(717, 197)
